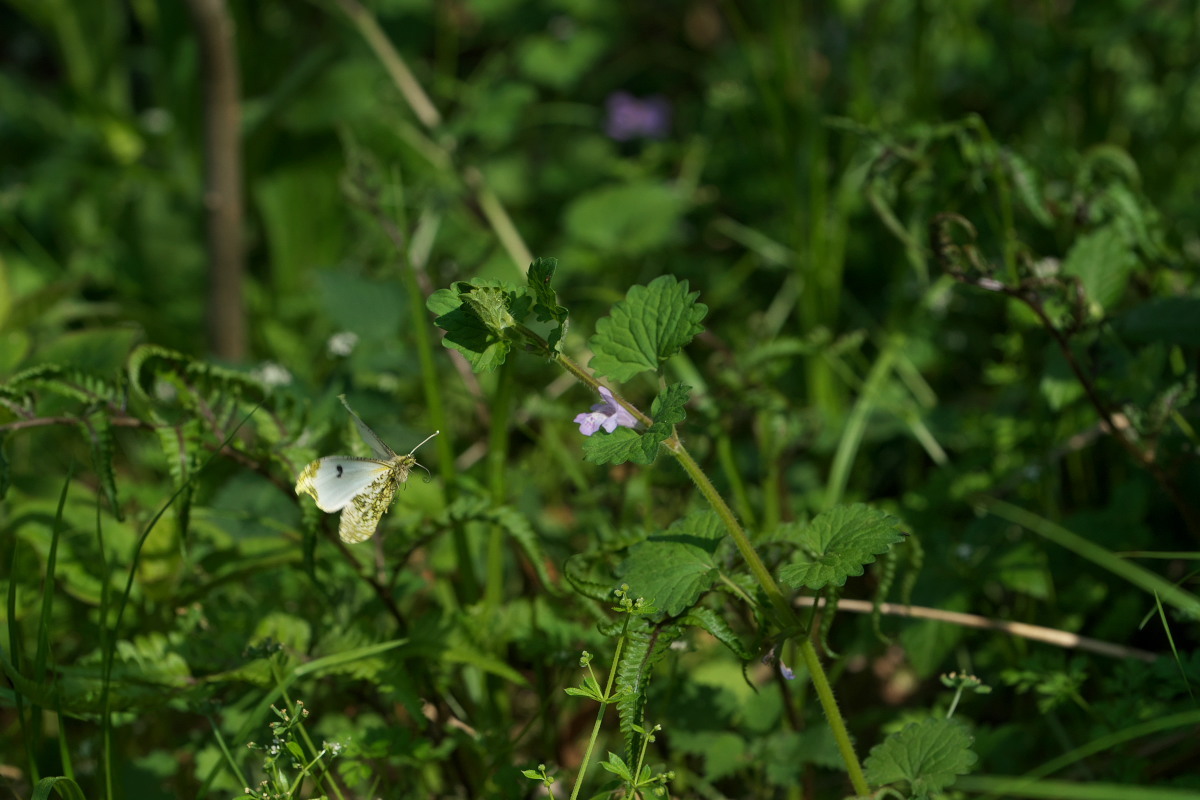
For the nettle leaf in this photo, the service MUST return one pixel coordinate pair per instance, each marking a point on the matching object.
(498, 307)
(478, 319)
(838, 543)
(621, 446)
(927, 755)
(667, 408)
(1103, 260)
(649, 326)
(545, 300)
(672, 569)
(640, 447)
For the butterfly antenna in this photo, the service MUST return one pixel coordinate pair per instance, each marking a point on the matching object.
(426, 439)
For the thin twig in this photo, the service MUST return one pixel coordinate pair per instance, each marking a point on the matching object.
(1036, 633)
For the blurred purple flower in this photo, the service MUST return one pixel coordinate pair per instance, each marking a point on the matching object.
(784, 670)
(608, 415)
(631, 118)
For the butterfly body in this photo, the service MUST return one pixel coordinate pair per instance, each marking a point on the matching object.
(361, 488)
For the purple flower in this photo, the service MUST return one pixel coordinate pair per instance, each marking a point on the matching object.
(631, 118)
(784, 669)
(608, 415)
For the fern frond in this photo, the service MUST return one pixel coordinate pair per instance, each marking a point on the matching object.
(916, 560)
(98, 429)
(583, 579)
(718, 627)
(887, 576)
(69, 382)
(199, 386)
(645, 645)
(182, 447)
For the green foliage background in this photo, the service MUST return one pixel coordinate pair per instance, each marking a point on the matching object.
(842, 360)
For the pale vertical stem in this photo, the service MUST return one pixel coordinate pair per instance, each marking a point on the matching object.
(397, 70)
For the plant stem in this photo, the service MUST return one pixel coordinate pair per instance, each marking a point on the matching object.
(784, 609)
(583, 377)
(612, 677)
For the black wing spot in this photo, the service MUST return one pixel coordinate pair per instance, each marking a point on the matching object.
(340, 469)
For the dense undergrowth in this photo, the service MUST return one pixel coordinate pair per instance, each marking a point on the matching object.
(817, 397)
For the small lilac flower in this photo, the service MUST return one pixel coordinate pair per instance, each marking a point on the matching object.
(631, 118)
(784, 669)
(608, 415)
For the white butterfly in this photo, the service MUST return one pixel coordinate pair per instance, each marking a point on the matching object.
(361, 488)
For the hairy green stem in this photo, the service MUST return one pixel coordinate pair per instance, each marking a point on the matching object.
(583, 377)
(784, 609)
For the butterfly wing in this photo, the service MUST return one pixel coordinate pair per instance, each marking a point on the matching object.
(378, 447)
(334, 481)
(361, 515)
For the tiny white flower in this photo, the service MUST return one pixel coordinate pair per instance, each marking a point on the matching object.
(342, 343)
(270, 375)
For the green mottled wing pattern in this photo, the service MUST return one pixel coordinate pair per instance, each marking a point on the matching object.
(361, 515)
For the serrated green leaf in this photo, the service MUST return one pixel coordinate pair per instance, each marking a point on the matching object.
(649, 326)
(1175, 320)
(625, 444)
(838, 543)
(1103, 261)
(672, 569)
(494, 305)
(466, 332)
(545, 301)
(928, 755)
(668, 406)
(617, 766)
